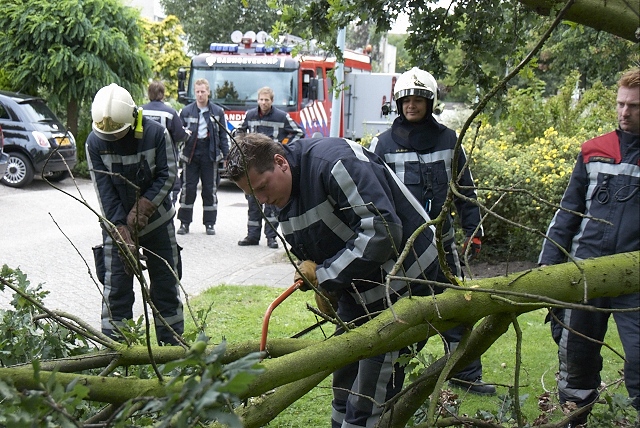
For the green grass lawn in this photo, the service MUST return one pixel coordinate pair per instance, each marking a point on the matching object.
(236, 313)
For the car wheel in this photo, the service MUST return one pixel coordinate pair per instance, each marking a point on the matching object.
(19, 171)
(57, 176)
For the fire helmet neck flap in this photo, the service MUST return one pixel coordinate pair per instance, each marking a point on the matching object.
(113, 112)
(415, 82)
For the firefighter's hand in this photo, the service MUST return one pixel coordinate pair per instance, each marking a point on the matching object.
(308, 270)
(476, 244)
(138, 217)
(327, 302)
(123, 237)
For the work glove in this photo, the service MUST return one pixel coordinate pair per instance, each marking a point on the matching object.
(327, 307)
(308, 269)
(138, 217)
(123, 236)
(476, 244)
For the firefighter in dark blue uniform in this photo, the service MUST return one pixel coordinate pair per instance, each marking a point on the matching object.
(605, 184)
(420, 151)
(278, 125)
(347, 217)
(206, 146)
(141, 217)
(166, 116)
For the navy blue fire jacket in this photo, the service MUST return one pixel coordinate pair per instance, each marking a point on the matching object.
(352, 216)
(147, 162)
(605, 184)
(276, 124)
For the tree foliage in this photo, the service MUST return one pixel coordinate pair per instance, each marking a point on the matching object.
(475, 44)
(598, 57)
(617, 17)
(533, 149)
(165, 47)
(403, 61)
(67, 50)
(207, 22)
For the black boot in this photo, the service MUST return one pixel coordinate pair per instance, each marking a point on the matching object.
(184, 229)
(248, 241)
(476, 386)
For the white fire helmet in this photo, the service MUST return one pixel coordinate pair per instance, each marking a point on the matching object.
(112, 112)
(415, 82)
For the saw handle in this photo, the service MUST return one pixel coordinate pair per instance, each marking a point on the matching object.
(272, 306)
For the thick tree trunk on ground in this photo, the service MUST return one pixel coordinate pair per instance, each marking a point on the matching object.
(495, 300)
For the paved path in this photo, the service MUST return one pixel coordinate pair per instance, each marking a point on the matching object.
(49, 235)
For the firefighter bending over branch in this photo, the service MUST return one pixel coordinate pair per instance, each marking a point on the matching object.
(118, 156)
(347, 217)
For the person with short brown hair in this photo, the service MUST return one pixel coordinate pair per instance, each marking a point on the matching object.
(605, 184)
(166, 116)
(206, 146)
(346, 217)
(279, 126)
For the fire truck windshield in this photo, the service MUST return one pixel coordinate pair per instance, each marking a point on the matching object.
(237, 89)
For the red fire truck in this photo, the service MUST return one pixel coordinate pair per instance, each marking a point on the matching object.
(235, 72)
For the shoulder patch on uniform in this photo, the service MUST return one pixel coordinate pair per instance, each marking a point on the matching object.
(605, 148)
(602, 159)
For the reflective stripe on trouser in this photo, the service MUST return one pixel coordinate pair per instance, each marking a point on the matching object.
(118, 293)
(201, 169)
(254, 224)
(580, 359)
(359, 390)
(177, 186)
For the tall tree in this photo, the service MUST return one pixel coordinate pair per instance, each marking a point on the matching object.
(206, 22)
(492, 36)
(68, 49)
(597, 55)
(165, 46)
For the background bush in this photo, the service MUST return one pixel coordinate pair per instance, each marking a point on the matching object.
(532, 147)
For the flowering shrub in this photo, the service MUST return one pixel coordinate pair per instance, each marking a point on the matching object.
(516, 156)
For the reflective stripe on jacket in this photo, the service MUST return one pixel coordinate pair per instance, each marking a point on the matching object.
(148, 163)
(217, 131)
(276, 124)
(352, 216)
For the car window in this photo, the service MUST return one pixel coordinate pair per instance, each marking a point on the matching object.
(37, 111)
(4, 114)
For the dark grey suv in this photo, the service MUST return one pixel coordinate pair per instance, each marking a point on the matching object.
(35, 140)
